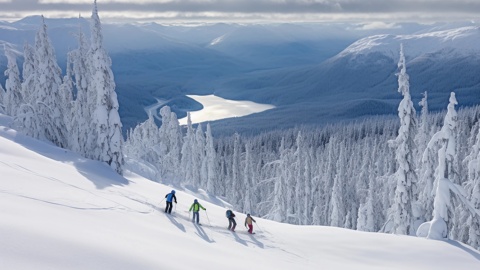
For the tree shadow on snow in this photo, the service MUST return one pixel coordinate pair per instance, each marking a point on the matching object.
(200, 232)
(205, 196)
(175, 222)
(99, 173)
(468, 250)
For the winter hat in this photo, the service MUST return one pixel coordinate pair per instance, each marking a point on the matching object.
(195, 200)
(248, 215)
(173, 191)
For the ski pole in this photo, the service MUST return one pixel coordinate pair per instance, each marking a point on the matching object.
(259, 227)
(161, 202)
(208, 218)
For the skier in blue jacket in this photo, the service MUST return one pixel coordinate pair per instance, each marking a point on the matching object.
(170, 197)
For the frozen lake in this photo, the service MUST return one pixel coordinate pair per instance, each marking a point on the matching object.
(215, 108)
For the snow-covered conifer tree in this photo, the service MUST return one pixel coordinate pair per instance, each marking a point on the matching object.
(365, 191)
(366, 211)
(248, 186)
(2, 98)
(423, 127)
(437, 228)
(13, 97)
(105, 140)
(141, 147)
(308, 199)
(28, 73)
(339, 213)
(405, 198)
(186, 162)
(426, 170)
(234, 191)
(66, 105)
(27, 119)
(170, 144)
(175, 141)
(46, 93)
(473, 165)
(164, 140)
(198, 158)
(211, 160)
(280, 201)
(330, 174)
(81, 116)
(300, 186)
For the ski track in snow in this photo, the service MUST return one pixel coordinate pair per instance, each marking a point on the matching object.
(118, 205)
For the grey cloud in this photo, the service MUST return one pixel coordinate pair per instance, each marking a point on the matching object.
(261, 6)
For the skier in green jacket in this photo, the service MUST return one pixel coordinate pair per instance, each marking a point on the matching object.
(196, 208)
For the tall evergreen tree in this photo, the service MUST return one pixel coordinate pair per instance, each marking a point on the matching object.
(235, 189)
(405, 194)
(339, 212)
(13, 97)
(473, 165)
(186, 162)
(81, 116)
(211, 160)
(2, 98)
(280, 201)
(300, 186)
(67, 103)
(105, 139)
(248, 186)
(27, 119)
(444, 140)
(426, 170)
(46, 93)
(175, 141)
(330, 174)
(28, 73)
(198, 157)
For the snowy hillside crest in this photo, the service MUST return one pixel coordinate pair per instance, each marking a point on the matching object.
(463, 40)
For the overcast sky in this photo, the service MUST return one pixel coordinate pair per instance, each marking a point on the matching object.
(249, 10)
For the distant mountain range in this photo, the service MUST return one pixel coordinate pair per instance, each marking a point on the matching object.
(313, 73)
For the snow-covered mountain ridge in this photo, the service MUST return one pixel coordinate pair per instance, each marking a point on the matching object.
(462, 41)
(61, 211)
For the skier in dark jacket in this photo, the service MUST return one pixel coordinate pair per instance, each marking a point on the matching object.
(170, 197)
(196, 208)
(231, 220)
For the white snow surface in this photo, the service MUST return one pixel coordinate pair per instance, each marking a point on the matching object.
(61, 211)
(463, 40)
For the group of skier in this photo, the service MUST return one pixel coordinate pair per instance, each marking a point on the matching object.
(196, 206)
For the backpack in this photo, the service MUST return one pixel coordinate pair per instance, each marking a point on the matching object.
(229, 214)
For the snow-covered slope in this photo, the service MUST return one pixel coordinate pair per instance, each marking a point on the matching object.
(61, 211)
